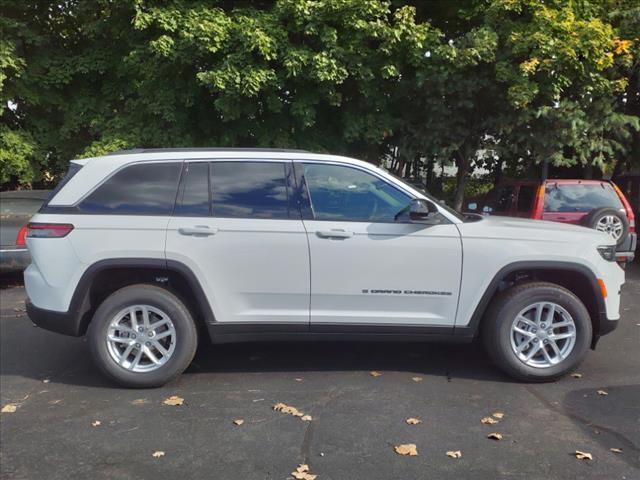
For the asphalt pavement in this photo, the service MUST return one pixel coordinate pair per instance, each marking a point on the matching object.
(69, 422)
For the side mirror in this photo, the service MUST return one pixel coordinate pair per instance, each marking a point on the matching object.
(420, 210)
(472, 206)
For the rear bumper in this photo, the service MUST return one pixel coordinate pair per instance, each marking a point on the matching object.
(627, 250)
(65, 323)
(13, 259)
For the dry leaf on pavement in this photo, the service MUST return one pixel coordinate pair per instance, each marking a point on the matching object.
(576, 375)
(9, 408)
(603, 392)
(498, 415)
(284, 408)
(489, 421)
(454, 454)
(417, 379)
(158, 454)
(174, 401)
(495, 436)
(413, 421)
(302, 473)
(96, 423)
(409, 449)
(616, 450)
(583, 455)
(306, 418)
(238, 421)
(375, 374)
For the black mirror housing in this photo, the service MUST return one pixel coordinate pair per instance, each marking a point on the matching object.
(420, 210)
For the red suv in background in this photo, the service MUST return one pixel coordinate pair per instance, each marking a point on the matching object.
(597, 204)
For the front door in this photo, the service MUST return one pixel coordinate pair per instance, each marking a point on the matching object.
(236, 227)
(369, 271)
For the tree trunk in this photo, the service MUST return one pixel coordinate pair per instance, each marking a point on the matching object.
(462, 162)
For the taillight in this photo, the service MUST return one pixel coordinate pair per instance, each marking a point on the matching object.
(20, 238)
(48, 230)
(627, 207)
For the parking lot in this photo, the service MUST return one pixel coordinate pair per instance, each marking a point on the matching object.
(71, 423)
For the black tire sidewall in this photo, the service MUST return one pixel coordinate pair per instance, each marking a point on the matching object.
(186, 335)
(510, 305)
(591, 220)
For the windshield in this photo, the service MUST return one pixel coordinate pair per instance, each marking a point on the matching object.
(442, 205)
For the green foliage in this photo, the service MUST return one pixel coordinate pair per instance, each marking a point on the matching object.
(521, 80)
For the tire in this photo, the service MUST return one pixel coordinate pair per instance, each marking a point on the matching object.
(597, 219)
(160, 305)
(500, 340)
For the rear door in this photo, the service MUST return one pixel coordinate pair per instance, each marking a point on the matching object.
(369, 271)
(237, 228)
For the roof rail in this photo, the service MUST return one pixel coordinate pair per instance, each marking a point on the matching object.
(209, 149)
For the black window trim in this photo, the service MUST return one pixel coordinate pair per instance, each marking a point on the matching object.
(181, 187)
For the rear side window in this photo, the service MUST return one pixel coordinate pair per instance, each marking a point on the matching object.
(72, 170)
(249, 190)
(193, 199)
(142, 189)
(526, 195)
(579, 197)
(501, 199)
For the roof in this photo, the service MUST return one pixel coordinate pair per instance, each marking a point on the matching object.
(207, 149)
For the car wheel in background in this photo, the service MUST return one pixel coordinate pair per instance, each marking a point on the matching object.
(610, 221)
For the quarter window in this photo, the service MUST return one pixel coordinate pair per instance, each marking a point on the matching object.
(526, 195)
(141, 189)
(249, 190)
(347, 194)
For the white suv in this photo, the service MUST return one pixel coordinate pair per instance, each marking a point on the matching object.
(146, 251)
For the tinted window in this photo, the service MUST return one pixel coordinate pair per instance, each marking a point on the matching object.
(193, 199)
(579, 197)
(344, 193)
(500, 199)
(249, 190)
(525, 198)
(142, 189)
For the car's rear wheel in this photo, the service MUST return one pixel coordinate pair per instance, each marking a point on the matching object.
(142, 336)
(537, 331)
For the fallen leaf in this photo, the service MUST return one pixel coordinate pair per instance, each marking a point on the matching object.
(498, 415)
(139, 401)
(576, 375)
(413, 421)
(417, 379)
(306, 418)
(616, 450)
(406, 449)
(96, 423)
(158, 454)
(454, 454)
(375, 374)
(174, 401)
(298, 379)
(489, 421)
(583, 455)
(238, 421)
(284, 408)
(46, 380)
(495, 436)
(302, 473)
(9, 408)
(603, 392)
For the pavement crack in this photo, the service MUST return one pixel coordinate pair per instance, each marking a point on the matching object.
(321, 404)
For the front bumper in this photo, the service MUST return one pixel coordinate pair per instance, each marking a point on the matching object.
(66, 323)
(13, 259)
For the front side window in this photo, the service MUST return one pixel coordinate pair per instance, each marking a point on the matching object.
(341, 193)
(578, 197)
(249, 190)
(140, 189)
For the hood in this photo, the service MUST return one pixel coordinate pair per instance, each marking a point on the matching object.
(532, 230)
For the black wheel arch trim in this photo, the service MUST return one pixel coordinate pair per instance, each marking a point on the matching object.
(601, 321)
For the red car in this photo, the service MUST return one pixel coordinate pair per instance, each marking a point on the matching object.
(597, 204)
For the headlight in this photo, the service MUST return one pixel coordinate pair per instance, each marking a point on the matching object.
(608, 252)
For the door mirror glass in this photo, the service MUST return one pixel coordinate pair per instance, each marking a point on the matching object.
(421, 210)
(472, 206)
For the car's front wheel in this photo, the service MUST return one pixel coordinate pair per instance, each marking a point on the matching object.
(537, 331)
(142, 336)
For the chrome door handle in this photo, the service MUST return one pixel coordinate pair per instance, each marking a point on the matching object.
(334, 234)
(198, 230)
